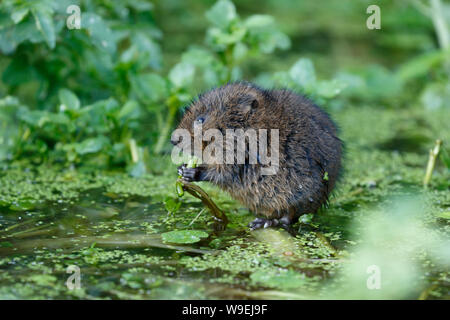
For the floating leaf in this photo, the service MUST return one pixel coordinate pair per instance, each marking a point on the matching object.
(184, 236)
(23, 205)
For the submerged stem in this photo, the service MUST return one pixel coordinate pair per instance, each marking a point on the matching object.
(199, 193)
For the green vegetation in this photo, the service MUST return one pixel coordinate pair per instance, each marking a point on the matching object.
(85, 171)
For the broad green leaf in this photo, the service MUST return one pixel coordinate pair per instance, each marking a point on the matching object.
(44, 24)
(101, 35)
(68, 100)
(184, 236)
(91, 145)
(149, 87)
(220, 39)
(19, 15)
(8, 42)
(302, 73)
(38, 118)
(182, 74)
(130, 110)
(330, 88)
(259, 21)
(269, 40)
(222, 13)
(198, 57)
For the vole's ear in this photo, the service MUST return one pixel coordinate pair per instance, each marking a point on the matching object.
(255, 103)
(251, 105)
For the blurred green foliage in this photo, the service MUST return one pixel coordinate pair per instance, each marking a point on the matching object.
(109, 93)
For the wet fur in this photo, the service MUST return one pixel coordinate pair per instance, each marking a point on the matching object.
(309, 147)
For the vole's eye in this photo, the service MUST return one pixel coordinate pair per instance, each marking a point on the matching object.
(200, 120)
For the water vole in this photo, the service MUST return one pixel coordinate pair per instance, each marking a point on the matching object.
(309, 150)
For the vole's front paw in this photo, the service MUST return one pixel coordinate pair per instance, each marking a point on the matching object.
(189, 174)
(259, 223)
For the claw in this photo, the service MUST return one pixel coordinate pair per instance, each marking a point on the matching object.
(187, 174)
(262, 223)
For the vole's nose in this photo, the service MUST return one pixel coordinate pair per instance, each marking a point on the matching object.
(174, 142)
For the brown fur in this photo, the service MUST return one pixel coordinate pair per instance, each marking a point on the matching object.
(309, 147)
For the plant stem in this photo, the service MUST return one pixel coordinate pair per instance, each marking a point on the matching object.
(431, 162)
(134, 151)
(199, 193)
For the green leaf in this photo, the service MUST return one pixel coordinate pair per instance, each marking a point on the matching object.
(149, 87)
(101, 35)
(435, 95)
(130, 110)
(184, 236)
(306, 218)
(138, 169)
(259, 21)
(330, 88)
(18, 72)
(91, 145)
(44, 24)
(8, 41)
(68, 100)
(172, 204)
(444, 215)
(222, 13)
(182, 74)
(38, 118)
(420, 65)
(19, 15)
(302, 73)
(220, 39)
(23, 205)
